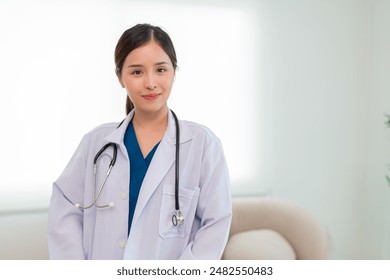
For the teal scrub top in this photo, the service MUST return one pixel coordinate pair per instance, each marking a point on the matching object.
(138, 168)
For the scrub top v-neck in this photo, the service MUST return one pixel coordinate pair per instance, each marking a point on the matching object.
(138, 168)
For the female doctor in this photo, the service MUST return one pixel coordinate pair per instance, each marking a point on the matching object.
(135, 210)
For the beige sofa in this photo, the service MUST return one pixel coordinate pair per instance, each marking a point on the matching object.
(262, 228)
(272, 229)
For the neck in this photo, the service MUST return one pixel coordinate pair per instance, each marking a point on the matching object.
(152, 120)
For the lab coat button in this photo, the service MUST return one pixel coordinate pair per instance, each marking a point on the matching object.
(122, 243)
(124, 195)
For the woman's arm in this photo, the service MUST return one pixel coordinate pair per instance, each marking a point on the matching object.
(65, 222)
(214, 207)
(64, 228)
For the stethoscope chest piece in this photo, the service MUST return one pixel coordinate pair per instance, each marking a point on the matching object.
(178, 218)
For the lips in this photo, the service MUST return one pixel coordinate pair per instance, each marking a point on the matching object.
(151, 96)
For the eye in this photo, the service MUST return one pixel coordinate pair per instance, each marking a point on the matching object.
(136, 72)
(161, 69)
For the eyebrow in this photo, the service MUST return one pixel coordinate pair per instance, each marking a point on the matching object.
(140, 65)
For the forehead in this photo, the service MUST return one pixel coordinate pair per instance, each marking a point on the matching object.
(151, 52)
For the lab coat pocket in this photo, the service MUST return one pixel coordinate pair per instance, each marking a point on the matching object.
(188, 200)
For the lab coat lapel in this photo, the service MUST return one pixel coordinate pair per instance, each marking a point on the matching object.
(118, 134)
(162, 161)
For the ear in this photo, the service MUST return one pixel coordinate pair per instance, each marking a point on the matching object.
(118, 74)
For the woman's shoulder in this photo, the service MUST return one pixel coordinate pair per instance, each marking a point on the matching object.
(99, 132)
(200, 130)
(102, 128)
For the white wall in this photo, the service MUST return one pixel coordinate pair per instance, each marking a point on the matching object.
(324, 94)
(376, 216)
(315, 87)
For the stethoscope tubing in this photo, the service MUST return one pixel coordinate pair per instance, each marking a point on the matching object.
(178, 217)
(112, 163)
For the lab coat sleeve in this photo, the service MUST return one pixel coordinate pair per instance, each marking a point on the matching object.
(214, 207)
(65, 221)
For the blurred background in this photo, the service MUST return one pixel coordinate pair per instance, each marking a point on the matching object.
(297, 91)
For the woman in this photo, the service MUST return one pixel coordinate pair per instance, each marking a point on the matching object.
(134, 216)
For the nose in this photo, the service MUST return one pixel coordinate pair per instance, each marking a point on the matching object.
(150, 81)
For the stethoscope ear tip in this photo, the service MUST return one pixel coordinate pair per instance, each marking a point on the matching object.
(77, 205)
(111, 204)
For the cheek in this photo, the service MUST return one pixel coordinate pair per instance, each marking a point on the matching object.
(168, 83)
(131, 85)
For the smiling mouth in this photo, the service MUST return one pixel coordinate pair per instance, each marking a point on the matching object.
(151, 96)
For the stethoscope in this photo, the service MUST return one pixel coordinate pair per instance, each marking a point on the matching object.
(177, 218)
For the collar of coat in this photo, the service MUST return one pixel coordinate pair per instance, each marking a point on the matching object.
(170, 135)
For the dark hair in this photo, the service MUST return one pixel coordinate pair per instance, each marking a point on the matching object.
(135, 37)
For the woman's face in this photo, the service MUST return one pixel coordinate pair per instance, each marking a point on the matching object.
(148, 75)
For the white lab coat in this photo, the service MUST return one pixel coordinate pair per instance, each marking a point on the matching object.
(205, 200)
